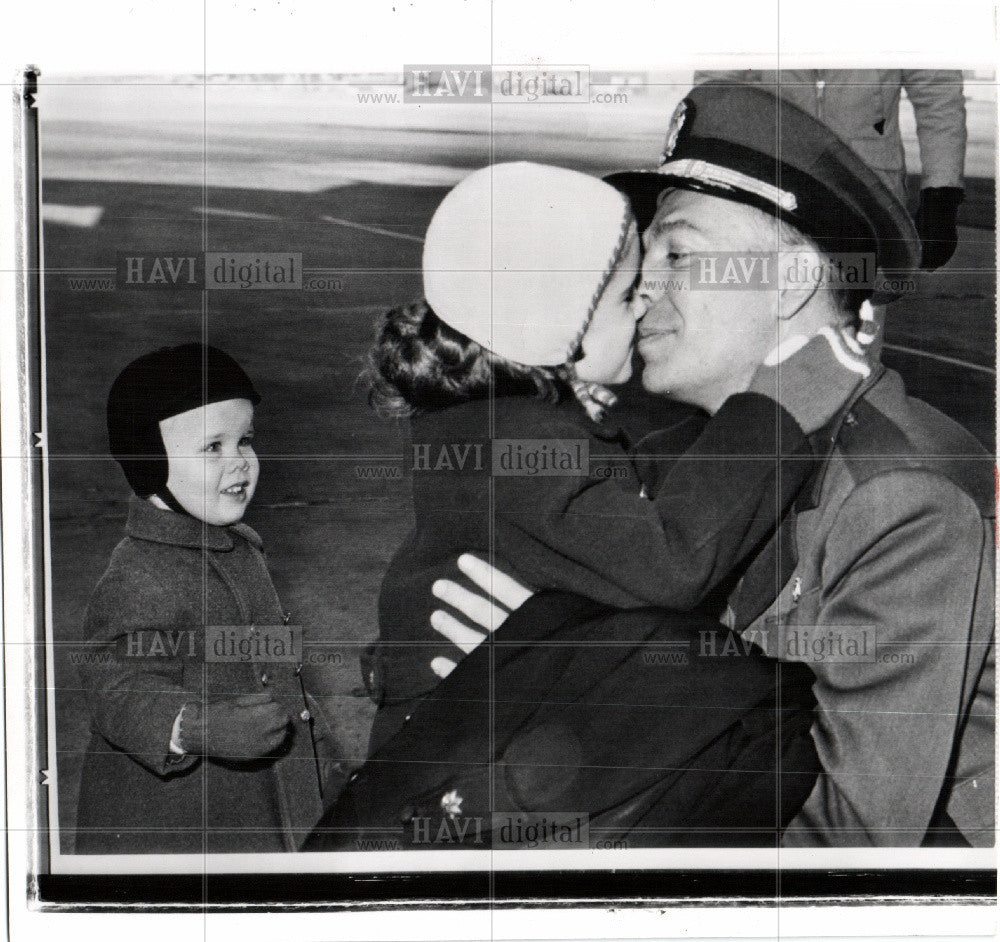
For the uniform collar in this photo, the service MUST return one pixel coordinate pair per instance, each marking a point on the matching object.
(148, 522)
(825, 440)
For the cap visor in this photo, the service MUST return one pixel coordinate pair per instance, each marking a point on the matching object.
(643, 188)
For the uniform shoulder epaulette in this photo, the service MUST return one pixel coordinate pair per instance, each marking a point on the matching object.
(871, 443)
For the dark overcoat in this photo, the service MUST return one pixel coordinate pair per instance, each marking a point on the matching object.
(714, 493)
(171, 583)
(654, 728)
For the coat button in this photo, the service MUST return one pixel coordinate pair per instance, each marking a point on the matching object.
(253, 630)
(298, 670)
(850, 419)
(406, 719)
(305, 716)
(286, 618)
(264, 678)
(407, 814)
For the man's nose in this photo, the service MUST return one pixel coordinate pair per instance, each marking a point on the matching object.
(652, 278)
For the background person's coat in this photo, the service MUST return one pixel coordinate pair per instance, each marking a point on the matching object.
(170, 578)
(862, 107)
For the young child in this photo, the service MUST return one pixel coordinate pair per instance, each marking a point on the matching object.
(528, 272)
(204, 738)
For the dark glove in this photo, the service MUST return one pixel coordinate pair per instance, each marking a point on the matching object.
(936, 224)
(240, 728)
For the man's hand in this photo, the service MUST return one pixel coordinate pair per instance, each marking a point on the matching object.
(502, 595)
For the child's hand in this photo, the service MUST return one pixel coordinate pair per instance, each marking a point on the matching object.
(245, 727)
(812, 377)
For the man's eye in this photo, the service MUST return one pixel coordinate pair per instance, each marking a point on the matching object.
(246, 440)
(213, 447)
(677, 257)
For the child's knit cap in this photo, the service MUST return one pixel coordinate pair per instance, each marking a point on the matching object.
(518, 254)
(156, 386)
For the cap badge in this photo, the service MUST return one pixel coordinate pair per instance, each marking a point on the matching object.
(673, 132)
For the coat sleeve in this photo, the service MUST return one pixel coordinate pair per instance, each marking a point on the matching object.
(938, 102)
(134, 700)
(604, 540)
(902, 563)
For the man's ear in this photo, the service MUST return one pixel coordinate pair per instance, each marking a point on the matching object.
(801, 274)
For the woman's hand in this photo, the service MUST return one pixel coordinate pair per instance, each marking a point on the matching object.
(502, 594)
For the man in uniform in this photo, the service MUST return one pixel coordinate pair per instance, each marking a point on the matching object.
(894, 540)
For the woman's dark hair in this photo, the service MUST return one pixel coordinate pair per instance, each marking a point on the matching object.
(419, 363)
